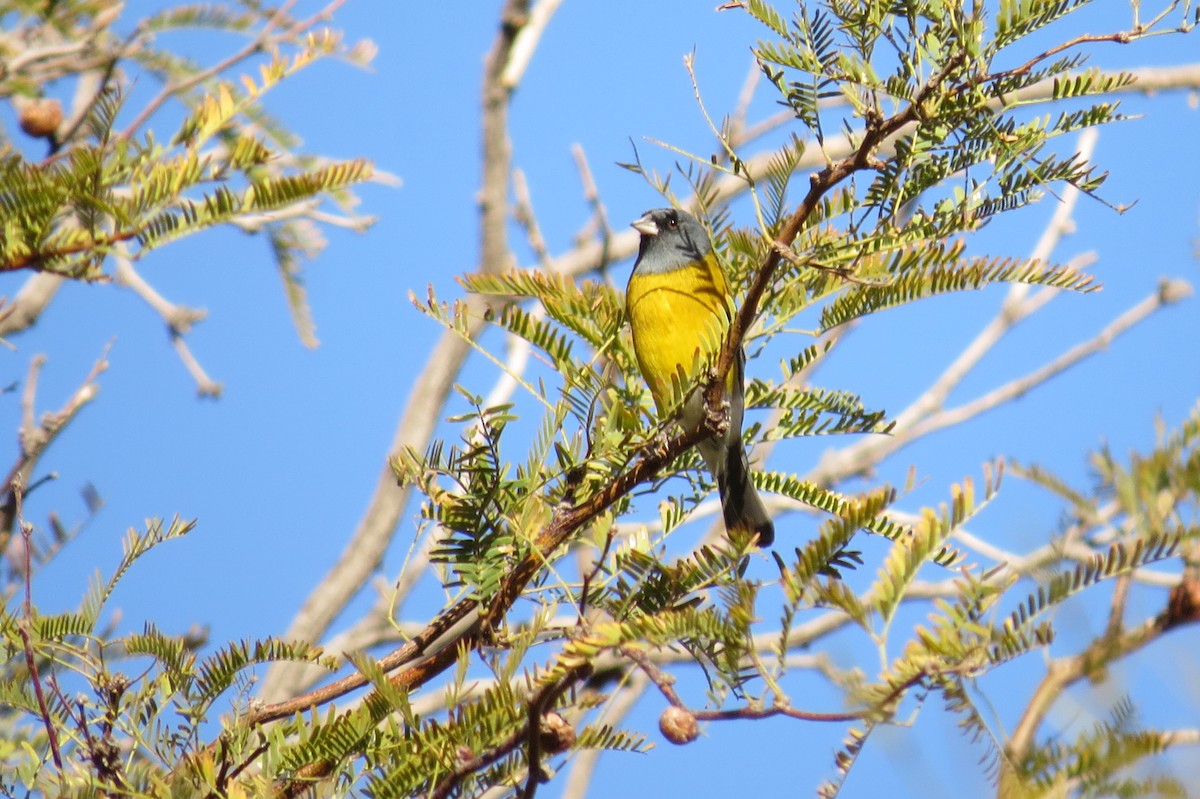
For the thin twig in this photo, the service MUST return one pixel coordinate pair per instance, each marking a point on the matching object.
(666, 686)
(179, 318)
(36, 437)
(205, 385)
(25, 628)
(1172, 291)
(524, 214)
(173, 88)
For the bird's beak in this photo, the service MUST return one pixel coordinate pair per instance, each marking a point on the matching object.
(645, 225)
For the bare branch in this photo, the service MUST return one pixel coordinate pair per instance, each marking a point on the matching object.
(179, 318)
(31, 300)
(526, 42)
(525, 215)
(1064, 672)
(36, 437)
(205, 385)
(592, 195)
(1170, 291)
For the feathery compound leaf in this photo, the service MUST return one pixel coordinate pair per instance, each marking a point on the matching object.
(268, 194)
(1089, 82)
(844, 759)
(534, 284)
(813, 411)
(663, 628)
(1122, 556)
(590, 310)
(384, 689)
(1019, 18)
(333, 740)
(931, 278)
(541, 333)
(486, 512)
(805, 360)
(136, 545)
(925, 543)
(779, 174)
(1096, 757)
(602, 736)
(809, 49)
(832, 502)
(271, 193)
(63, 626)
(289, 242)
(173, 652)
(766, 14)
(16, 693)
(831, 592)
(201, 15)
(643, 585)
(825, 553)
(216, 673)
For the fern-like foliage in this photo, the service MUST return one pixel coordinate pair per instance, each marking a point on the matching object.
(148, 693)
(967, 151)
(480, 506)
(1100, 761)
(107, 190)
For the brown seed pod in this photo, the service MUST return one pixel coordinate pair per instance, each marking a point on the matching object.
(39, 117)
(678, 725)
(1183, 603)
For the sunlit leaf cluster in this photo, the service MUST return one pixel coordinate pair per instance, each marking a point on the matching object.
(110, 187)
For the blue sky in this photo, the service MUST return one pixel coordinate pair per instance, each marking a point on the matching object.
(279, 469)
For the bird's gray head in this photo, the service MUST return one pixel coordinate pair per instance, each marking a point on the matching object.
(670, 239)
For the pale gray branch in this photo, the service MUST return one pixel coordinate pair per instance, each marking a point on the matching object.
(26, 308)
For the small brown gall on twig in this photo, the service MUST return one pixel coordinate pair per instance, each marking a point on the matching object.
(678, 725)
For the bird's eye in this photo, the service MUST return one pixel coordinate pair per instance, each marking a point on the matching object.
(672, 221)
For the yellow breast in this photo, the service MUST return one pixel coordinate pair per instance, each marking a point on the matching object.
(679, 319)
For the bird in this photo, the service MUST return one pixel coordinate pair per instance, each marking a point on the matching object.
(680, 305)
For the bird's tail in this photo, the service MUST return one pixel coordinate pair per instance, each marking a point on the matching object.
(740, 503)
